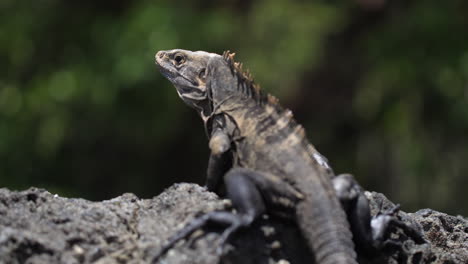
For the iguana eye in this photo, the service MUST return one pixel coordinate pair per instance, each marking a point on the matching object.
(179, 59)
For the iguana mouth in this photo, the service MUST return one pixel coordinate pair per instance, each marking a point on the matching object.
(166, 72)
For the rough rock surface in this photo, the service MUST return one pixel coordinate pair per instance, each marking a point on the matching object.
(39, 227)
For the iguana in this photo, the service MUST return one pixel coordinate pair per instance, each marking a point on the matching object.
(264, 161)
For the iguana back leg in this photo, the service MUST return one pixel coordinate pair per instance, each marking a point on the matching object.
(369, 233)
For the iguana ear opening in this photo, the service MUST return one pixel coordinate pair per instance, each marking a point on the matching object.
(201, 78)
(202, 74)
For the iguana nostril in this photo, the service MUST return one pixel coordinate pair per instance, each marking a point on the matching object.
(160, 54)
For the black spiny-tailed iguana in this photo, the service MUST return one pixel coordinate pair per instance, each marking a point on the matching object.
(264, 160)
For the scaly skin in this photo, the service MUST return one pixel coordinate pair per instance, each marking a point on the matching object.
(254, 135)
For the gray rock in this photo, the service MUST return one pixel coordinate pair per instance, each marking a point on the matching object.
(39, 227)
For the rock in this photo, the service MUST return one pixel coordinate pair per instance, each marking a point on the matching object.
(39, 227)
(446, 235)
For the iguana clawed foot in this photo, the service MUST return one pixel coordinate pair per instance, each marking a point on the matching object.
(384, 221)
(233, 222)
(371, 233)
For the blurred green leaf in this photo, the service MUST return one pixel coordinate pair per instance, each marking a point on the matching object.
(383, 92)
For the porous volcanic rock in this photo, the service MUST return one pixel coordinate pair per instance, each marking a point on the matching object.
(39, 227)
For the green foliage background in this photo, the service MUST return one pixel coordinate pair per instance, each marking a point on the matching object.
(380, 86)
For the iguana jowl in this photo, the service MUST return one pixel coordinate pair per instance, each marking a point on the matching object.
(263, 158)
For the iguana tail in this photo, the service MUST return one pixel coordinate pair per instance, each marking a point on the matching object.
(324, 224)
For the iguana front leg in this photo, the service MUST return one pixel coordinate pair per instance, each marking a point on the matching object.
(220, 159)
(245, 197)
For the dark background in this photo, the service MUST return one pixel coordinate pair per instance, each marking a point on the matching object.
(381, 87)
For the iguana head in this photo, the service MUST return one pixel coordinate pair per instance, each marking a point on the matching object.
(187, 70)
(205, 81)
